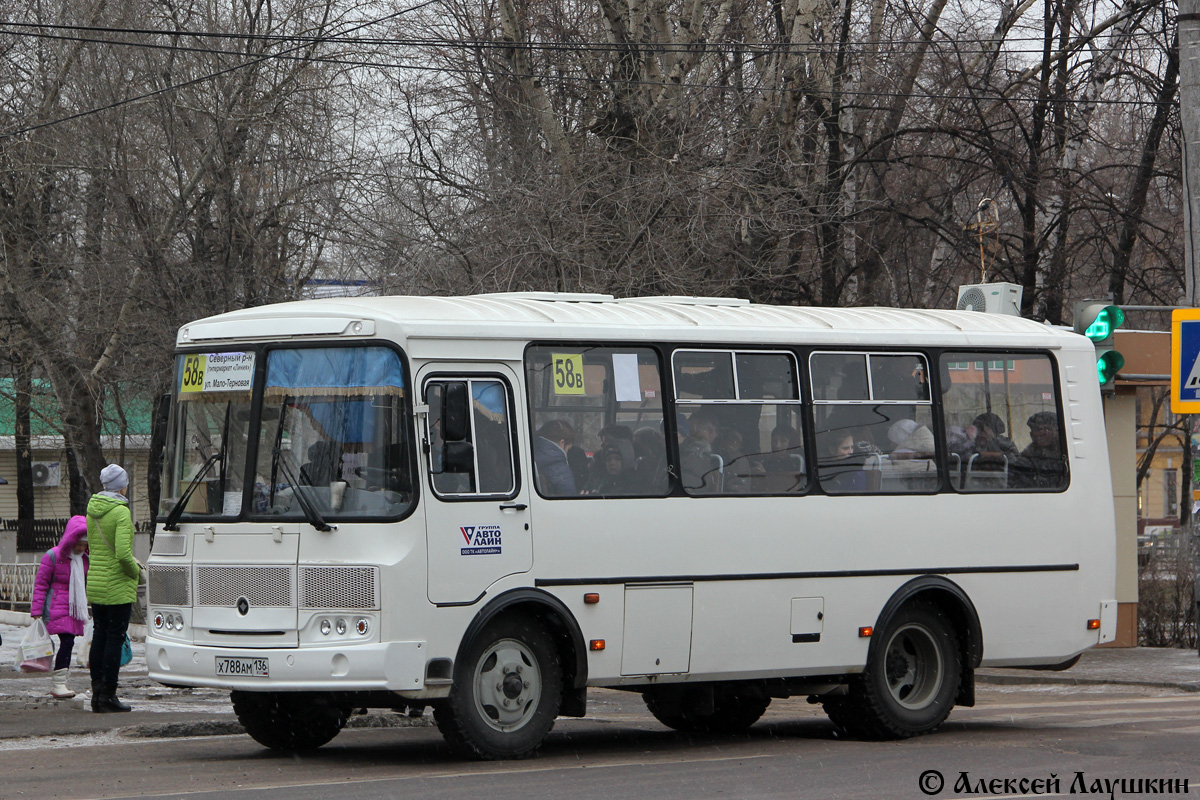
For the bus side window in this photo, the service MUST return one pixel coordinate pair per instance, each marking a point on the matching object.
(739, 418)
(1002, 420)
(874, 423)
(470, 437)
(597, 421)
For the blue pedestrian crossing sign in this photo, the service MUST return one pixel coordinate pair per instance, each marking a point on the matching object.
(1185, 361)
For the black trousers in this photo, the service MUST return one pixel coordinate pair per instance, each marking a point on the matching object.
(66, 642)
(109, 625)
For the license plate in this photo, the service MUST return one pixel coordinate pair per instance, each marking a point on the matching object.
(243, 667)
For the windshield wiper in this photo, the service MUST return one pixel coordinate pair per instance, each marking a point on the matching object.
(172, 521)
(311, 515)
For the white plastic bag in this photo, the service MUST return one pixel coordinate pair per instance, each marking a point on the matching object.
(83, 646)
(37, 651)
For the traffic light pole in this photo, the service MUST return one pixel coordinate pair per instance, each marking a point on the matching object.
(1188, 20)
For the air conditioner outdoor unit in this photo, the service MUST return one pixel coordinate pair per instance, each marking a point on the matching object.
(46, 473)
(991, 298)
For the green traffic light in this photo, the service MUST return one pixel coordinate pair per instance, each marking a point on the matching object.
(1108, 320)
(1108, 365)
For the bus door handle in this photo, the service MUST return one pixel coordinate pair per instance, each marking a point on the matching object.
(513, 506)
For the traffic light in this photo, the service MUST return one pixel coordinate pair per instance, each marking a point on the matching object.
(1098, 322)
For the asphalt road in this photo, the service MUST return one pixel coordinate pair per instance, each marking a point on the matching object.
(619, 751)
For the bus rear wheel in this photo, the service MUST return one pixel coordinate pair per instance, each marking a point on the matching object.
(506, 694)
(289, 720)
(734, 708)
(910, 682)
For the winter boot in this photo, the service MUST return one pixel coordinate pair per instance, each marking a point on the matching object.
(97, 696)
(58, 684)
(109, 703)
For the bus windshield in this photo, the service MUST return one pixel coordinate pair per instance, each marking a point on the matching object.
(333, 436)
(332, 441)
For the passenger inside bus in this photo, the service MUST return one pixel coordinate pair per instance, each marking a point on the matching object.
(1041, 465)
(323, 465)
(841, 465)
(650, 465)
(611, 437)
(552, 470)
(618, 477)
(702, 468)
(783, 467)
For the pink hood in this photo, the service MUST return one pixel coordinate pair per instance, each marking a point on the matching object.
(76, 529)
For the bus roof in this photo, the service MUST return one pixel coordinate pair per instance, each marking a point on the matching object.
(545, 315)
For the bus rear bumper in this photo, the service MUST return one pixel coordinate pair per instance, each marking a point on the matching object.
(388, 666)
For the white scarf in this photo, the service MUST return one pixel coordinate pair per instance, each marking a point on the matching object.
(78, 592)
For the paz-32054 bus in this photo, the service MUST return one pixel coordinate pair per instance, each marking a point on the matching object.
(489, 504)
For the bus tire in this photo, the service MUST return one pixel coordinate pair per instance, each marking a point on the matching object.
(506, 694)
(910, 682)
(289, 720)
(734, 709)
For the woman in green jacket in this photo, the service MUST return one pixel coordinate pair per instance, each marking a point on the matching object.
(111, 584)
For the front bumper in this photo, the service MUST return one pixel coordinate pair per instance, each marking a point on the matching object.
(390, 666)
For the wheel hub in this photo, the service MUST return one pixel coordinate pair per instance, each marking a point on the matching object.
(913, 666)
(508, 684)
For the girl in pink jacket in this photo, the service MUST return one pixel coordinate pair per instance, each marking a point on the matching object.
(60, 598)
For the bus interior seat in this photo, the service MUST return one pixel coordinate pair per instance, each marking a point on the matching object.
(986, 474)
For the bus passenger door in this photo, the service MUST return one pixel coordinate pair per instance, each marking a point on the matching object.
(476, 509)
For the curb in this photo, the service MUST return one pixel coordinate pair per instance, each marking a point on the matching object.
(1068, 680)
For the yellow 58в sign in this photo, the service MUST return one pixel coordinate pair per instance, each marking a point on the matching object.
(217, 372)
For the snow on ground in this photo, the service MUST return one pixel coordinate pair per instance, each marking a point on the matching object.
(135, 687)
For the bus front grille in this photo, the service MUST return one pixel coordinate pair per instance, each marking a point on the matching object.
(169, 586)
(263, 587)
(338, 587)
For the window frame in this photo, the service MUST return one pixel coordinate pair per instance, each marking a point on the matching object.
(798, 402)
(608, 410)
(1008, 357)
(513, 445)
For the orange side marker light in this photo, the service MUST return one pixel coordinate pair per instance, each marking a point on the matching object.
(1093, 625)
(865, 631)
(591, 598)
(596, 644)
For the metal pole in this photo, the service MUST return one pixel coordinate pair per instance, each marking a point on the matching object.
(1189, 110)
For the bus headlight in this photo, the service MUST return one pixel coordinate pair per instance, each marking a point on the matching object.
(362, 626)
(341, 627)
(158, 622)
(325, 627)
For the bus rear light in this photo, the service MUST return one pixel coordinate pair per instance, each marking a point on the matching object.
(865, 631)
(596, 644)
(1093, 625)
(591, 598)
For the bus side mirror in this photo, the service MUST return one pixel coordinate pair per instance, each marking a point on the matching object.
(455, 408)
(162, 415)
(458, 457)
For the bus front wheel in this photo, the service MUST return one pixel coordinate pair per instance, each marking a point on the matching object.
(910, 681)
(506, 694)
(289, 720)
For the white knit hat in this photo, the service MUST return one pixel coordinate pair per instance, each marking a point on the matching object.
(113, 478)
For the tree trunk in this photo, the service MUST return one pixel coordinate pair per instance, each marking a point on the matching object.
(22, 406)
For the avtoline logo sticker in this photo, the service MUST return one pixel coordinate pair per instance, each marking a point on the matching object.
(482, 540)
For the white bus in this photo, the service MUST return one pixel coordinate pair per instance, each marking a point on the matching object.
(489, 504)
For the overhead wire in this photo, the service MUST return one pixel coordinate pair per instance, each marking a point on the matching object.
(464, 44)
(202, 78)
